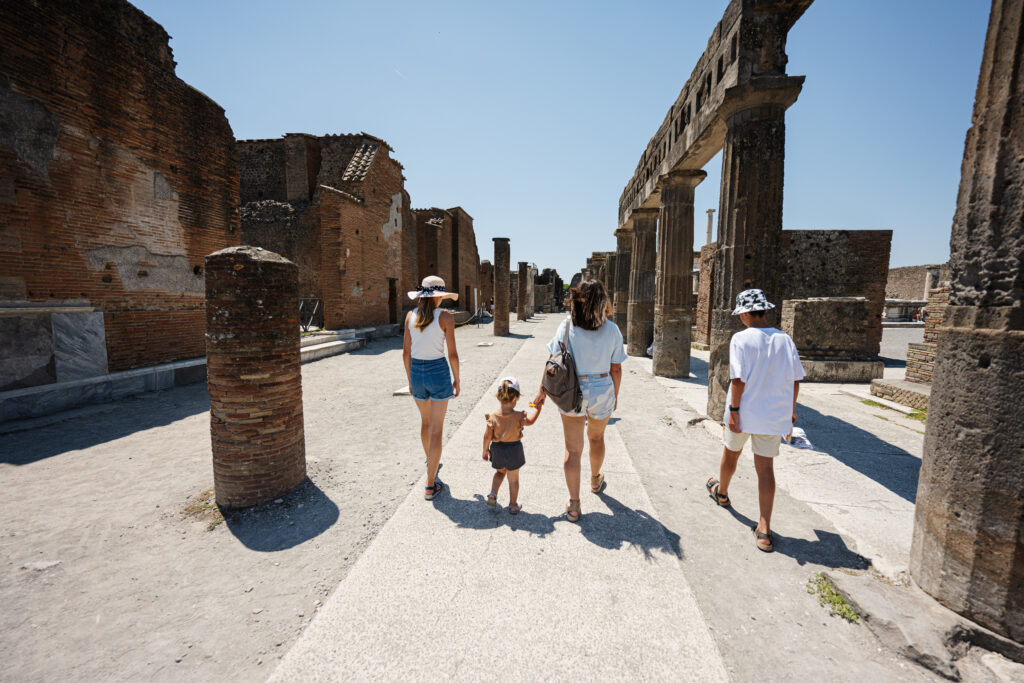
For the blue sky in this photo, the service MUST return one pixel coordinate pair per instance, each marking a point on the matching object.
(532, 115)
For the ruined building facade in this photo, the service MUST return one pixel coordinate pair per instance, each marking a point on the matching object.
(116, 179)
(336, 206)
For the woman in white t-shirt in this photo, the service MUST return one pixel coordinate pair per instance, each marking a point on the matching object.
(596, 346)
(432, 381)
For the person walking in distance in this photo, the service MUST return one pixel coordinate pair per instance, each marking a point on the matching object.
(765, 374)
(432, 382)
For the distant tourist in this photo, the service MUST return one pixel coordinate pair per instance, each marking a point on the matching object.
(596, 346)
(431, 381)
(765, 374)
(503, 444)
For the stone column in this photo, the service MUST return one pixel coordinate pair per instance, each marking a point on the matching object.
(623, 265)
(531, 291)
(968, 546)
(711, 220)
(522, 293)
(501, 286)
(673, 299)
(640, 313)
(750, 213)
(254, 374)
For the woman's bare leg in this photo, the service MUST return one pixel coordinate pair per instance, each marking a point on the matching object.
(572, 428)
(595, 437)
(435, 430)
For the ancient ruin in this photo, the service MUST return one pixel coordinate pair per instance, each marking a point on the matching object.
(116, 179)
(254, 375)
(502, 286)
(968, 548)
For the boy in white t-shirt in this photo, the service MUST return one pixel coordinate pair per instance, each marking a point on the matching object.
(765, 374)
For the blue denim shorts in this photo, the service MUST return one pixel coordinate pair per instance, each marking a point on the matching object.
(598, 398)
(431, 379)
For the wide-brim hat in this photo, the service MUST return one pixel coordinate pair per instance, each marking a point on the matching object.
(432, 286)
(750, 300)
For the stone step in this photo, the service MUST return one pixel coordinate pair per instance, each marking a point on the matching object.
(325, 336)
(332, 348)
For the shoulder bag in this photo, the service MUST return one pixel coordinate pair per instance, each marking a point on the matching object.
(561, 382)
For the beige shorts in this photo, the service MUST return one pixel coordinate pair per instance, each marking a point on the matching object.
(765, 445)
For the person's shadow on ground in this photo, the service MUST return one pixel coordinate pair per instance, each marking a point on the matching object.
(626, 526)
(828, 551)
(474, 513)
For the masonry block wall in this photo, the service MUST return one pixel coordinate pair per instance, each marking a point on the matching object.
(828, 328)
(838, 263)
(116, 179)
(465, 258)
(336, 206)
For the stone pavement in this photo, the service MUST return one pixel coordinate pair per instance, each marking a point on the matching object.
(454, 589)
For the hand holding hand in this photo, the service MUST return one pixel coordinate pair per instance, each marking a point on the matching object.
(540, 398)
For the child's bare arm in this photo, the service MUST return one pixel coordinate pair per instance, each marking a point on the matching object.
(532, 417)
(488, 437)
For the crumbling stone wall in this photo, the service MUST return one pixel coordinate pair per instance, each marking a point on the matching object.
(116, 179)
(828, 328)
(907, 282)
(336, 206)
(838, 263)
(465, 258)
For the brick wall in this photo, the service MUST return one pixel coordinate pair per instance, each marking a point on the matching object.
(828, 328)
(704, 294)
(838, 263)
(116, 178)
(434, 241)
(921, 356)
(290, 229)
(465, 257)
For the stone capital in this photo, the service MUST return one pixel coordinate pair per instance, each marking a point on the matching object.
(681, 177)
(500, 239)
(761, 91)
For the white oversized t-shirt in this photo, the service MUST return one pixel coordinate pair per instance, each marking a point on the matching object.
(767, 361)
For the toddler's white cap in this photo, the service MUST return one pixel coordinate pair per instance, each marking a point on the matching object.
(512, 381)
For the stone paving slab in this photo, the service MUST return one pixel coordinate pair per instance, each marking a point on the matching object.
(456, 590)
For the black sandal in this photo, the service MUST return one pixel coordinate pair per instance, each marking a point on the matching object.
(433, 490)
(759, 536)
(719, 498)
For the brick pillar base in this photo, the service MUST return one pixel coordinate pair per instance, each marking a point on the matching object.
(254, 375)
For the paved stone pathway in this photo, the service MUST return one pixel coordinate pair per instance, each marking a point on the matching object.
(454, 589)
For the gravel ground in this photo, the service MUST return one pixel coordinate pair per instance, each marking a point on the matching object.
(116, 566)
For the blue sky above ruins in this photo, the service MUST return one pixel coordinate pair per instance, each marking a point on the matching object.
(532, 115)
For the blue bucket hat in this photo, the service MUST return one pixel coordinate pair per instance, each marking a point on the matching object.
(750, 300)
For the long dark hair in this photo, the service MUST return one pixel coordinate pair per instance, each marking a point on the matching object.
(425, 306)
(589, 304)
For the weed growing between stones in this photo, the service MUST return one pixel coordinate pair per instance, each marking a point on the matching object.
(829, 597)
(203, 508)
(873, 404)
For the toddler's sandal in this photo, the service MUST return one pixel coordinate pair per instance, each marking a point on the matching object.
(492, 498)
(514, 509)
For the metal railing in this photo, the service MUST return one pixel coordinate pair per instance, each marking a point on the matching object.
(308, 309)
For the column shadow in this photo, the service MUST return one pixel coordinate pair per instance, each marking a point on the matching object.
(626, 526)
(302, 515)
(830, 550)
(860, 450)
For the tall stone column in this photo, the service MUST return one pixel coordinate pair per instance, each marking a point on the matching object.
(522, 292)
(968, 546)
(501, 286)
(254, 374)
(673, 299)
(750, 214)
(610, 272)
(623, 266)
(640, 313)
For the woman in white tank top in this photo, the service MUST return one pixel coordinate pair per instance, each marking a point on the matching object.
(432, 381)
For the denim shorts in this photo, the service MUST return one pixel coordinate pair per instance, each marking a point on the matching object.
(431, 379)
(598, 398)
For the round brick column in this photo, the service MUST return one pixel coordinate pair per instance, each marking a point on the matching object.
(254, 375)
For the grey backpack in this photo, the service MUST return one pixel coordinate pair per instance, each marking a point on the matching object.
(560, 380)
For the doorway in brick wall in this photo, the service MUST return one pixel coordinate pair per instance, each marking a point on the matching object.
(392, 300)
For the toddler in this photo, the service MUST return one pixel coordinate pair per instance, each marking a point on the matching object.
(503, 444)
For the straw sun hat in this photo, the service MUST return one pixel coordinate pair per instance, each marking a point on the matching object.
(432, 285)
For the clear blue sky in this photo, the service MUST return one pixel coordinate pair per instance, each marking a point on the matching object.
(532, 115)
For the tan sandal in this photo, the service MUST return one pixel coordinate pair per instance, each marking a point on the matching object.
(599, 485)
(572, 510)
